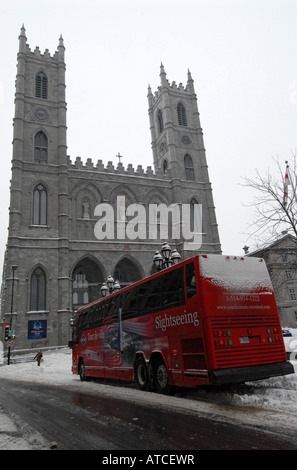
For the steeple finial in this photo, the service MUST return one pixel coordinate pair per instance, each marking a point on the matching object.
(163, 75)
(22, 39)
(190, 83)
(61, 48)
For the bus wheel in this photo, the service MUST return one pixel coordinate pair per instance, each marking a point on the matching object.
(141, 374)
(82, 371)
(161, 378)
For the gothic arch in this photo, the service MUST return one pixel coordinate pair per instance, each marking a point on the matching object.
(36, 182)
(41, 85)
(156, 196)
(92, 188)
(85, 198)
(122, 190)
(40, 150)
(87, 276)
(38, 288)
(181, 114)
(196, 224)
(31, 198)
(160, 121)
(189, 167)
(38, 265)
(128, 270)
(40, 205)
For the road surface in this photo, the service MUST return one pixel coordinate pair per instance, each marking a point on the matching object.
(79, 420)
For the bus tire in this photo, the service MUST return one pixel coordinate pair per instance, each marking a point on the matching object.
(141, 374)
(82, 371)
(161, 380)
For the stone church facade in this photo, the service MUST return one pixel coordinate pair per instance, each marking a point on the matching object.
(60, 263)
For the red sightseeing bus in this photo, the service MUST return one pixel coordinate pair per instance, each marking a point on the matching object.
(211, 319)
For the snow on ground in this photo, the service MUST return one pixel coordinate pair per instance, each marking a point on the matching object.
(269, 403)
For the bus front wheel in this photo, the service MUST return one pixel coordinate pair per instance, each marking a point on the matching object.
(141, 374)
(82, 371)
(161, 378)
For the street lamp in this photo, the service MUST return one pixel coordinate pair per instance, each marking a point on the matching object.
(110, 282)
(176, 257)
(112, 286)
(166, 259)
(14, 268)
(158, 260)
(166, 251)
(104, 290)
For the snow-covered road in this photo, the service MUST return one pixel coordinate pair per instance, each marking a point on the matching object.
(269, 404)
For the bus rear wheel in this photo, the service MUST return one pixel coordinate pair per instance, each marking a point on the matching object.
(141, 374)
(161, 380)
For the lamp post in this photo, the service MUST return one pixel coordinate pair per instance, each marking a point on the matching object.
(165, 259)
(109, 287)
(14, 268)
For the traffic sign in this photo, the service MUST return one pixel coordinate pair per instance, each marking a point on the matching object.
(9, 343)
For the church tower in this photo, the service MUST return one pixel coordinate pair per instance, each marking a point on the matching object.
(38, 213)
(178, 151)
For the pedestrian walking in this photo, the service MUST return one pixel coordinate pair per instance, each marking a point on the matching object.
(38, 357)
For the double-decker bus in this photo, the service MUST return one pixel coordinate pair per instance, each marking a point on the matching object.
(210, 319)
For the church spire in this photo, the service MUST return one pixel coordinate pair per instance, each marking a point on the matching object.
(61, 41)
(164, 81)
(22, 39)
(190, 82)
(61, 48)
(150, 95)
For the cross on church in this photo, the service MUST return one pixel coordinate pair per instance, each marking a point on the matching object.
(119, 157)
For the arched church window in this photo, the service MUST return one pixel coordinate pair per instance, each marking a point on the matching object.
(39, 205)
(41, 85)
(80, 288)
(40, 147)
(38, 290)
(160, 121)
(181, 115)
(189, 168)
(194, 218)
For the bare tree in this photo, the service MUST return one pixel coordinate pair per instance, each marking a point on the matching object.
(276, 201)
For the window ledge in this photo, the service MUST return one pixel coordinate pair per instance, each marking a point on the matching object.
(37, 312)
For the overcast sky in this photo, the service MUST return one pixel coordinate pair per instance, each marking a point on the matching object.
(243, 58)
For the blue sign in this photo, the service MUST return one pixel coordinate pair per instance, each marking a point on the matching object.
(83, 340)
(37, 329)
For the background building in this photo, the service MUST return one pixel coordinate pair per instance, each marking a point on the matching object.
(60, 263)
(281, 259)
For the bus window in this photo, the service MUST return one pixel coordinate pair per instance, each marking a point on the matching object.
(190, 280)
(129, 303)
(150, 296)
(173, 288)
(115, 306)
